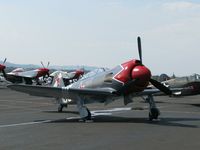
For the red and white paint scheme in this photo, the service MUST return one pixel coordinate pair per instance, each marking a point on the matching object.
(134, 70)
(103, 85)
(19, 75)
(31, 73)
(75, 74)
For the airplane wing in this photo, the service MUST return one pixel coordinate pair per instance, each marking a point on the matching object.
(26, 74)
(64, 92)
(157, 92)
(37, 90)
(60, 92)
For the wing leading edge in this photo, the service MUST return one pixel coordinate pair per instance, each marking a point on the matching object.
(60, 92)
(66, 92)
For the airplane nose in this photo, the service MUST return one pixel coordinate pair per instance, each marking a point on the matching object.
(143, 74)
(46, 72)
(43, 72)
(2, 67)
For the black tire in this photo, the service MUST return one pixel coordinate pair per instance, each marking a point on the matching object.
(153, 114)
(60, 108)
(89, 117)
(150, 116)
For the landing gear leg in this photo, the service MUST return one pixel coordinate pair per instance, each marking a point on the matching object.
(83, 110)
(153, 110)
(61, 106)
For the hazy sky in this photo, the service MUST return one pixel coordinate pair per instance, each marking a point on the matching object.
(102, 33)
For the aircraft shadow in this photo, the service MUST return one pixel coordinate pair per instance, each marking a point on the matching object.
(174, 122)
(70, 112)
(196, 105)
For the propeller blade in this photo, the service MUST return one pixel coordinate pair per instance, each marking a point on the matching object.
(42, 64)
(4, 61)
(48, 64)
(139, 48)
(44, 77)
(4, 74)
(161, 87)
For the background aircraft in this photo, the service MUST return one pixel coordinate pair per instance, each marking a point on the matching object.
(106, 85)
(19, 75)
(58, 81)
(3, 67)
(190, 84)
(62, 79)
(68, 77)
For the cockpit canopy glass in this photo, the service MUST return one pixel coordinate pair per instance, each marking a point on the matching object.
(94, 72)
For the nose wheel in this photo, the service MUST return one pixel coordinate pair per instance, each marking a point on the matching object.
(61, 106)
(153, 110)
(154, 113)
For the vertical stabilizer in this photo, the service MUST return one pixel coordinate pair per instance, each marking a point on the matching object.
(58, 80)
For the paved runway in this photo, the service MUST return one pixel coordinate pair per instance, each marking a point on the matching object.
(28, 122)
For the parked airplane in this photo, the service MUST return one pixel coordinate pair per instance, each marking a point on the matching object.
(3, 67)
(68, 77)
(62, 79)
(19, 75)
(58, 81)
(102, 85)
(190, 85)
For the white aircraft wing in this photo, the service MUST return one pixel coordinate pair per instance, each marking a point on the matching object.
(28, 74)
(37, 90)
(60, 92)
(64, 92)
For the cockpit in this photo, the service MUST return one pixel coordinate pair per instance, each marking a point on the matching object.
(194, 77)
(93, 73)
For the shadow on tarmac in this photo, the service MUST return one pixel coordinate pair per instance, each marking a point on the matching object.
(173, 122)
(70, 112)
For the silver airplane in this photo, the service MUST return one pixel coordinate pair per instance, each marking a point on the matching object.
(124, 81)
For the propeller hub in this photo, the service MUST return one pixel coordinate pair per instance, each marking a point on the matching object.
(78, 74)
(2, 67)
(142, 74)
(43, 72)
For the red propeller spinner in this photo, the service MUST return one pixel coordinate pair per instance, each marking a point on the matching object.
(78, 74)
(43, 71)
(2, 67)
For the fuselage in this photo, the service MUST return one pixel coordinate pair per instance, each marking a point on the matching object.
(117, 78)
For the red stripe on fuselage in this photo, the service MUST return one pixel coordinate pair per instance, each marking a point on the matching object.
(124, 74)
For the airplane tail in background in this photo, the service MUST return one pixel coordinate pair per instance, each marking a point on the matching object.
(58, 80)
(163, 77)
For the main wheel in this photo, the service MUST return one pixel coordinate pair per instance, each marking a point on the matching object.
(89, 116)
(60, 108)
(153, 114)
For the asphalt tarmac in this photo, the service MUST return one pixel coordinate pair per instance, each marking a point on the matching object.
(28, 122)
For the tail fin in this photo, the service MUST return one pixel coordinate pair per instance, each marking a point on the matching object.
(163, 77)
(58, 80)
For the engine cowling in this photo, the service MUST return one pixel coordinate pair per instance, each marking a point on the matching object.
(134, 76)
